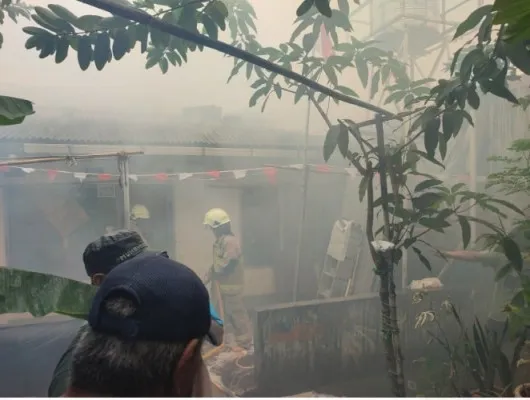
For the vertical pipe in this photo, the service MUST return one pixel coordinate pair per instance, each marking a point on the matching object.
(301, 224)
(123, 168)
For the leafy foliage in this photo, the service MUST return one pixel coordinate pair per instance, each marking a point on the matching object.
(98, 40)
(13, 110)
(478, 366)
(42, 294)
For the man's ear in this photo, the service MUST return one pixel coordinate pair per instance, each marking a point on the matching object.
(97, 279)
(187, 369)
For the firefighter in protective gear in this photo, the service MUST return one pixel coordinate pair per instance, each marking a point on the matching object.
(227, 276)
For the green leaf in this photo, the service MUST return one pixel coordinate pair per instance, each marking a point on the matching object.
(331, 141)
(84, 52)
(278, 90)
(422, 258)
(13, 110)
(466, 230)
(500, 90)
(35, 31)
(507, 204)
(362, 69)
(121, 44)
(472, 20)
(471, 59)
(436, 224)
(163, 64)
(456, 56)
(519, 55)
(343, 140)
(160, 39)
(300, 91)
(151, 62)
(363, 186)
(374, 88)
(323, 7)
(330, 73)
(304, 7)
(88, 22)
(346, 91)
(63, 13)
(427, 184)
(512, 253)
(142, 36)
(174, 59)
(257, 94)
(426, 200)
(61, 49)
(442, 145)
(209, 25)
(59, 25)
(430, 138)
(472, 98)
(344, 7)
(101, 50)
(42, 294)
(428, 157)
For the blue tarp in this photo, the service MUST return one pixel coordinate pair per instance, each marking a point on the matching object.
(29, 352)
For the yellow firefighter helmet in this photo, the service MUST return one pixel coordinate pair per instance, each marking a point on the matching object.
(139, 211)
(216, 217)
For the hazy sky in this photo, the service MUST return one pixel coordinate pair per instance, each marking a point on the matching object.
(127, 90)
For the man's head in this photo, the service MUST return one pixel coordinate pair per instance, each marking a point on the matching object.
(146, 326)
(110, 250)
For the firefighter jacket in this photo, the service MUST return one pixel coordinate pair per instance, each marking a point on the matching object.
(228, 265)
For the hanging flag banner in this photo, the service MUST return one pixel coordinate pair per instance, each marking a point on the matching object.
(214, 174)
(161, 177)
(352, 172)
(240, 173)
(80, 175)
(325, 42)
(52, 174)
(270, 173)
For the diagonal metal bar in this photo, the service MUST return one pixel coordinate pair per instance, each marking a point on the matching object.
(133, 14)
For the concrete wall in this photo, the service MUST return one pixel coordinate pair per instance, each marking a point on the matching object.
(307, 345)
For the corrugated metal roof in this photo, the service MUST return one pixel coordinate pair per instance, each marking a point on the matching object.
(86, 131)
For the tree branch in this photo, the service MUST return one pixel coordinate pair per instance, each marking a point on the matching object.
(144, 18)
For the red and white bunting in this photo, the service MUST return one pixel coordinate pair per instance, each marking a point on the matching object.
(269, 172)
(239, 173)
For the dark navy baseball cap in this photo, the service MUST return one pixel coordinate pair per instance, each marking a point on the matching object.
(172, 303)
(108, 251)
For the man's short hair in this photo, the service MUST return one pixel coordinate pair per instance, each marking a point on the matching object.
(110, 250)
(144, 314)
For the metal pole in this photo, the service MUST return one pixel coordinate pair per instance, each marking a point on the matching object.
(123, 168)
(305, 182)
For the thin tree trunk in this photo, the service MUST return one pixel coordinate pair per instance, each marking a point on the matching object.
(398, 354)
